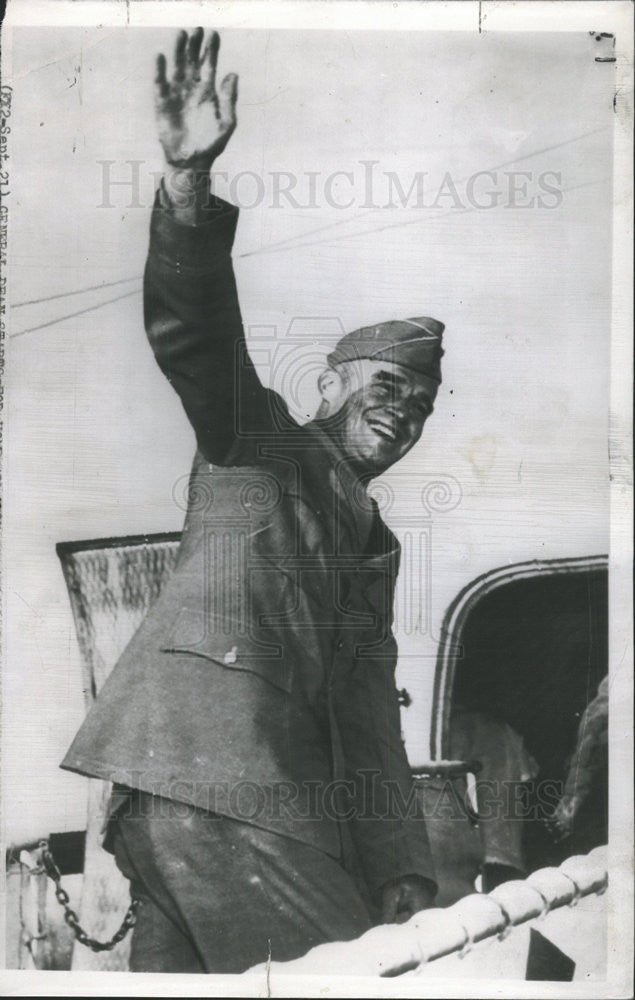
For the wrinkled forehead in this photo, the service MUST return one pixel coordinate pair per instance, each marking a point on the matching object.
(370, 371)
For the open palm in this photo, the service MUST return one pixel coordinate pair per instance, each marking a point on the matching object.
(194, 121)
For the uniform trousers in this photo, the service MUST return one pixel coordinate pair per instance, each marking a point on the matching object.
(218, 895)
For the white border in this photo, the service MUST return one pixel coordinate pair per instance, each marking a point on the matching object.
(381, 15)
(457, 15)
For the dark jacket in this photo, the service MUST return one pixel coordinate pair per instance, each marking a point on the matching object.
(261, 683)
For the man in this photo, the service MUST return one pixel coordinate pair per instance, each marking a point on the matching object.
(580, 816)
(252, 724)
(505, 765)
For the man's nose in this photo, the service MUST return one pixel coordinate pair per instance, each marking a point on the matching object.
(400, 404)
(397, 408)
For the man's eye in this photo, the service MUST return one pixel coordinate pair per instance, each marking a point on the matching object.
(387, 381)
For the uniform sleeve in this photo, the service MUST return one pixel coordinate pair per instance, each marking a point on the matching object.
(194, 327)
(387, 825)
(587, 759)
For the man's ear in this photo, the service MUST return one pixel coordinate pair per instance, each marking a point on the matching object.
(332, 386)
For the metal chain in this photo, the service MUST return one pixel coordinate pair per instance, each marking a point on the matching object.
(71, 917)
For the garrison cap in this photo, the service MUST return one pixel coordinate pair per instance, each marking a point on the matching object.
(413, 343)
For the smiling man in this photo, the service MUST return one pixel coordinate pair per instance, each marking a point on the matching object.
(382, 381)
(264, 798)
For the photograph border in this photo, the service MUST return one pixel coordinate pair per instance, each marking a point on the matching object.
(458, 15)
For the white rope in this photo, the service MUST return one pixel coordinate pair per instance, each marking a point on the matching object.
(432, 934)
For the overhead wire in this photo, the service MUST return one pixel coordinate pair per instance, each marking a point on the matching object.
(464, 210)
(76, 291)
(291, 244)
(79, 312)
(358, 216)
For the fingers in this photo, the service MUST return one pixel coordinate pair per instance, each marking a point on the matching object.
(192, 68)
(390, 904)
(188, 61)
(160, 78)
(209, 60)
(405, 897)
(194, 45)
(190, 65)
(227, 97)
(179, 55)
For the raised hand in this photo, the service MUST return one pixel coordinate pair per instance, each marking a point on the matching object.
(194, 121)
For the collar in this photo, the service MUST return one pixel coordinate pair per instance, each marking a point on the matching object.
(357, 514)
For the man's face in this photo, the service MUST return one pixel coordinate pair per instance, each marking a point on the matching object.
(382, 411)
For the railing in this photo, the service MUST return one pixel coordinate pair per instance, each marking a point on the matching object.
(392, 949)
(387, 950)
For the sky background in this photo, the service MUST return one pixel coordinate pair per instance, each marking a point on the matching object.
(96, 439)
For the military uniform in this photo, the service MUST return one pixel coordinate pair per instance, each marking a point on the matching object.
(260, 687)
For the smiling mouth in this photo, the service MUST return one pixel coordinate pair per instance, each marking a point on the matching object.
(384, 429)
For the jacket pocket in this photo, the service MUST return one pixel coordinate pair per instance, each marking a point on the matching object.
(230, 646)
